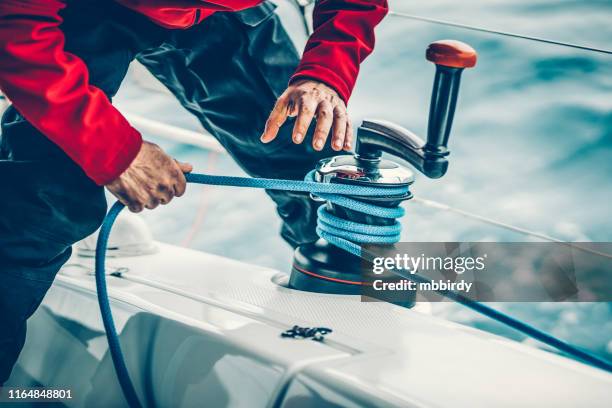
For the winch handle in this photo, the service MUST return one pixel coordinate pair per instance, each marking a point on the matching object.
(451, 58)
(374, 136)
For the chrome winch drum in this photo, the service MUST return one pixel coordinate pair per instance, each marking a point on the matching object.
(322, 267)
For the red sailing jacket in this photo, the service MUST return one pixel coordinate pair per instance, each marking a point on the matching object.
(50, 88)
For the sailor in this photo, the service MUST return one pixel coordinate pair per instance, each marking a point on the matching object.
(228, 62)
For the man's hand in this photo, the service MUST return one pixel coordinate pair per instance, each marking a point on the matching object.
(308, 99)
(153, 178)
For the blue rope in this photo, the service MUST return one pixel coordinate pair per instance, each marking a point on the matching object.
(342, 233)
(123, 374)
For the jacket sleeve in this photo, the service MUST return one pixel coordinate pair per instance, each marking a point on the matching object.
(343, 37)
(50, 88)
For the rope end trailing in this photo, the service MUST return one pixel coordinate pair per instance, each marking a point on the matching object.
(114, 345)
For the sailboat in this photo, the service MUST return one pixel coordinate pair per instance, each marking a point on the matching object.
(199, 329)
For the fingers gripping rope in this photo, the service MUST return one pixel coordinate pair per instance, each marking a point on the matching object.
(342, 233)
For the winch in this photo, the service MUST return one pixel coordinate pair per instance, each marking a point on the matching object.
(325, 268)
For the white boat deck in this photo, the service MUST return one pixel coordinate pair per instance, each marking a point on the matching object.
(205, 323)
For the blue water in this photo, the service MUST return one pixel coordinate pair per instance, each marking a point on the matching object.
(531, 146)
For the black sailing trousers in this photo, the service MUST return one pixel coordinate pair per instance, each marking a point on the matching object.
(227, 71)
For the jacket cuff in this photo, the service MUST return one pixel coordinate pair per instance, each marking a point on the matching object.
(327, 76)
(113, 166)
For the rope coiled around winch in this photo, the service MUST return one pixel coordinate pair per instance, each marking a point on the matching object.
(343, 233)
(340, 232)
